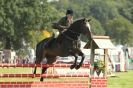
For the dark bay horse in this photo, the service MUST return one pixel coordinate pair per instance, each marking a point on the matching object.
(66, 44)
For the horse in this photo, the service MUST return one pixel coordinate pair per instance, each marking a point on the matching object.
(66, 44)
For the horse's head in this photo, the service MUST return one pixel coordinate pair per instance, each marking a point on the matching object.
(82, 26)
(85, 27)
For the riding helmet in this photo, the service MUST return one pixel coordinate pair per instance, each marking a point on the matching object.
(69, 11)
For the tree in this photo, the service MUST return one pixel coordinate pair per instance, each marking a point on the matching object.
(18, 17)
(103, 11)
(120, 29)
(126, 9)
(96, 27)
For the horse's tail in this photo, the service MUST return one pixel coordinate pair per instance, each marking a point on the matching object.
(38, 56)
(39, 52)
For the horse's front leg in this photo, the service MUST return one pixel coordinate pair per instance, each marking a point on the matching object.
(81, 62)
(75, 62)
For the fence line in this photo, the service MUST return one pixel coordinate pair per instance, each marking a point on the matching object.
(43, 75)
(96, 82)
(41, 65)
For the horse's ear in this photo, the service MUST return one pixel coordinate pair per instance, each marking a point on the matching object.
(86, 20)
(89, 20)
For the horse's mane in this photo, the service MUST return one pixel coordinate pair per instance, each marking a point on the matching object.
(72, 26)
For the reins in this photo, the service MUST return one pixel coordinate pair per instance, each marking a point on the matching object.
(70, 38)
(74, 32)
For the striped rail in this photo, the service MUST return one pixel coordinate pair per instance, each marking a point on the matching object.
(43, 75)
(41, 65)
(50, 84)
(95, 82)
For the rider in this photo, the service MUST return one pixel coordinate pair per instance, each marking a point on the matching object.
(65, 22)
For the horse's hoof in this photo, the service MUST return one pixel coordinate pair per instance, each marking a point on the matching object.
(72, 66)
(41, 79)
(33, 76)
(77, 67)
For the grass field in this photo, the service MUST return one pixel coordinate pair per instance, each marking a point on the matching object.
(122, 79)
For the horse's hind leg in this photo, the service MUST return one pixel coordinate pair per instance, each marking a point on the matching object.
(50, 60)
(38, 61)
(34, 70)
(39, 57)
(43, 71)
